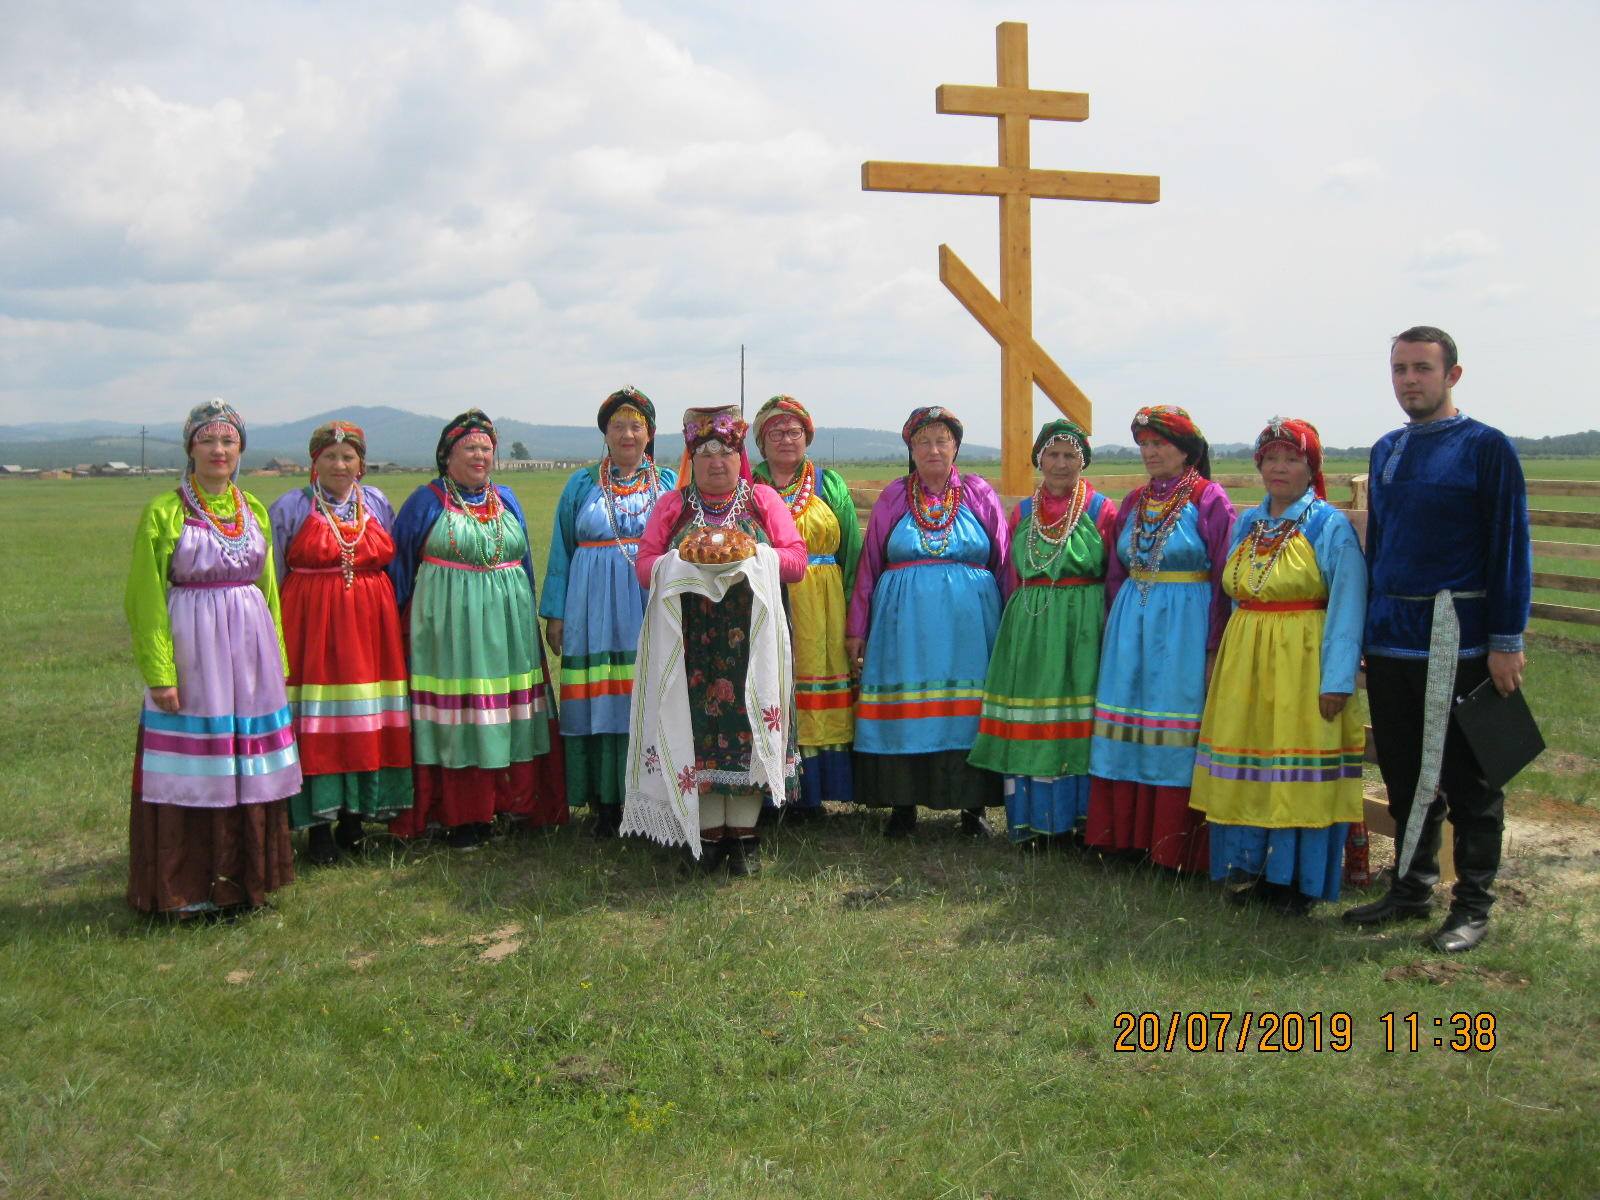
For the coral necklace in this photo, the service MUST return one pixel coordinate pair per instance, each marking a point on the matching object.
(347, 534)
(645, 478)
(231, 533)
(934, 518)
(1056, 533)
(491, 549)
(1259, 544)
(800, 489)
(1154, 520)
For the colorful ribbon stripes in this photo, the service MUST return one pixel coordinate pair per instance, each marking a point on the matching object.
(1146, 728)
(822, 693)
(947, 698)
(1021, 718)
(344, 708)
(497, 701)
(1282, 766)
(589, 676)
(217, 747)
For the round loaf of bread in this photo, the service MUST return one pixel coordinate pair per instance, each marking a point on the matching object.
(712, 546)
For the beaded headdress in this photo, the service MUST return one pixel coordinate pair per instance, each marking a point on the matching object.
(474, 420)
(216, 411)
(920, 419)
(783, 406)
(721, 423)
(338, 433)
(1061, 430)
(1301, 437)
(629, 396)
(1176, 426)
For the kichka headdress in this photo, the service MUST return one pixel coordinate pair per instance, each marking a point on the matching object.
(1061, 430)
(216, 411)
(920, 419)
(474, 420)
(338, 433)
(1303, 439)
(783, 406)
(721, 423)
(1176, 426)
(630, 397)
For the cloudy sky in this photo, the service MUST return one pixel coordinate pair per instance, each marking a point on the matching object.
(524, 205)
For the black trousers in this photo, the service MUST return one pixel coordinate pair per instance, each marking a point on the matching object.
(1395, 690)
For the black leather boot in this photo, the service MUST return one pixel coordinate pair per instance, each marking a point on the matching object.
(348, 834)
(321, 849)
(1394, 906)
(607, 820)
(742, 858)
(974, 823)
(1461, 931)
(902, 820)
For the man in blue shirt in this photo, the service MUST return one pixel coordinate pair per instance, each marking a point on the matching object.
(1451, 582)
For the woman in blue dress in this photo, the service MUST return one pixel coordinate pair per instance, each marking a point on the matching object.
(923, 618)
(1168, 609)
(593, 604)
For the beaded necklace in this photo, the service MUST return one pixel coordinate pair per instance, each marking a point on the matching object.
(486, 512)
(1260, 543)
(231, 534)
(1056, 534)
(1155, 520)
(645, 478)
(800, 489)
(347, 533)
(723, 515)
(935, 519)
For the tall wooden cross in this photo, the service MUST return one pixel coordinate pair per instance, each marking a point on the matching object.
(1009, 319)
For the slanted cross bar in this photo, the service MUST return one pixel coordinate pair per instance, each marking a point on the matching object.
(1009, 319)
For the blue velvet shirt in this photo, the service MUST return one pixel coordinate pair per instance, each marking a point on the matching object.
(1448, 509)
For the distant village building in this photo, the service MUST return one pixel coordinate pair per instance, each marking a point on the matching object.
(283, 466)
(111, 468)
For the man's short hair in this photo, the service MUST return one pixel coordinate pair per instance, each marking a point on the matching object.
(1428, 333)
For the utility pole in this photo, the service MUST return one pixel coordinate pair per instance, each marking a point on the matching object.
(142, 470)
(741, 381)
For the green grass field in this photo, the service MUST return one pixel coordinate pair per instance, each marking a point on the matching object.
(552, 1016)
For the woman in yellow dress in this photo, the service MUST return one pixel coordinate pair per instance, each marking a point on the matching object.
(1278, 767)
(819, 500)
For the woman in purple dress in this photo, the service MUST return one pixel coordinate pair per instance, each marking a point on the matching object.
(216, 758)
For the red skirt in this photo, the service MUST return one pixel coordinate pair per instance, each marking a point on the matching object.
(1140, 816)
(533, 792)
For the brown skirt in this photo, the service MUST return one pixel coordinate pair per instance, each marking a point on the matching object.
(205, 859)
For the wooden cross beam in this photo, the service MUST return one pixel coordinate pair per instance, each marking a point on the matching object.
(1015, 182)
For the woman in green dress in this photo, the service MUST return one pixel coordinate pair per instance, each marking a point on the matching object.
(482, 723)
(1038, 700)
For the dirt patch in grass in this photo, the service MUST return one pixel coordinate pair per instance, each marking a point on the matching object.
(1447, 971)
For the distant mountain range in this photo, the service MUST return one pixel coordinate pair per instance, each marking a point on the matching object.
(408, 439)
(393, 435)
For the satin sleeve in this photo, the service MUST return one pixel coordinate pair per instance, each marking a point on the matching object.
(378, 506)
(836, 492)
(1344, 574)
(781, 532)
(1503, 505)
(412, 524)
(144, 600)
(1216, 515)
(267, 581)
(890, 507)
(287, 514)
(563, 542)
(657, 536)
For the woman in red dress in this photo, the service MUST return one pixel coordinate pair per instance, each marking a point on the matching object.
(347, 667)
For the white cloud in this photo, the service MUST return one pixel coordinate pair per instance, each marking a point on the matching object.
(1458, 248)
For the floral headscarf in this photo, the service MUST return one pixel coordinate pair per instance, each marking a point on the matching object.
(781, 406)
(630, 397)
(1061, 430)
(338, 433)
(474, 420)
(920, 419)
(216, 411)
(1176, 426)
(1303, 439)
(721, 423)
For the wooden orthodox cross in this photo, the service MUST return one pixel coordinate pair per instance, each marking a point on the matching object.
(1009, 319)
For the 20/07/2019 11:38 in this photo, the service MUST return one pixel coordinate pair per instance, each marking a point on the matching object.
(1294, 1032)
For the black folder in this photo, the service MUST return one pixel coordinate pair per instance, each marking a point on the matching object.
(1500, 729)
